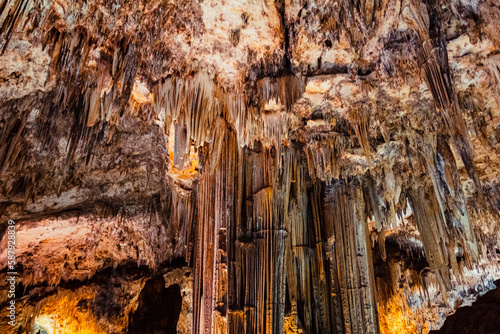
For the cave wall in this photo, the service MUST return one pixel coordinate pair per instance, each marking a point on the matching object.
(291, 166)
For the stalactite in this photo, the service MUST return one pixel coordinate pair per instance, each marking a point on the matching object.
(456, 202)
(191, 105)
(493, 65)
(374, 203)
(14, 18)
(13, 142)
(198, 105)
(284, 90)
(241, 116)
(433, 232)
(477, 116)
(359, 120)
(180, 145)
(323, 156)
(439, 84)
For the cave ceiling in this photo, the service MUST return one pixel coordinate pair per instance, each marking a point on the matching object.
(248, 166)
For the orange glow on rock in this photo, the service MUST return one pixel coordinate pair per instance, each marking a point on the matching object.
(65, 316)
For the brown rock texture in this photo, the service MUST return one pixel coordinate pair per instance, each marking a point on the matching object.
(481, 316)
(249, 166)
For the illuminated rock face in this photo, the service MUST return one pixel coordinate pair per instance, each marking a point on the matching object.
(249, 166)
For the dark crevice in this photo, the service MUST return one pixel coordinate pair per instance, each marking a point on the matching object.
(158, 310)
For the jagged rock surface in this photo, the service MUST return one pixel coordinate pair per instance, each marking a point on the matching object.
(266, 167)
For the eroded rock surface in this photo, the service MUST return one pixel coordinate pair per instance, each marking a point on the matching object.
(248, 166)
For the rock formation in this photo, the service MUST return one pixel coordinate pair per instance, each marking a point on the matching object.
(250, 166)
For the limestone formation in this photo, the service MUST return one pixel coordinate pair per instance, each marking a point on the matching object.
(249, 166)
